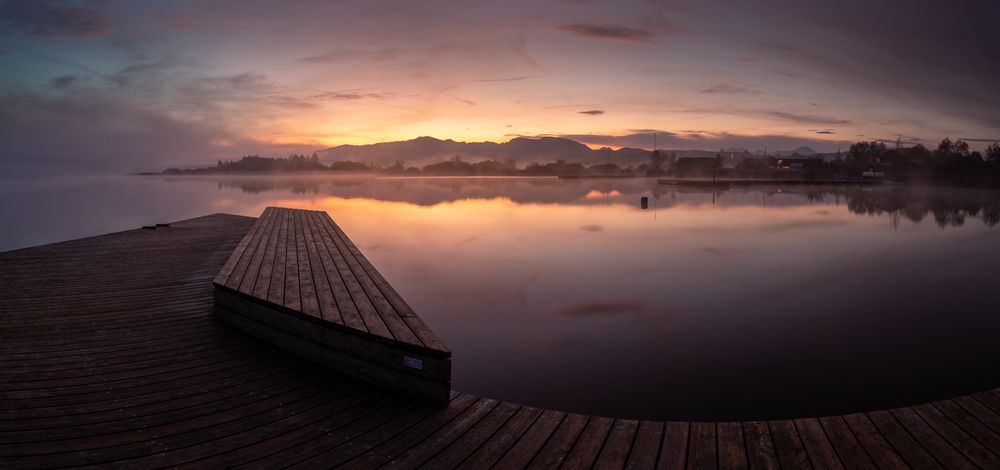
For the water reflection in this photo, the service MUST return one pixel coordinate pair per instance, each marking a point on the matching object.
(747, 302)
(949, 208)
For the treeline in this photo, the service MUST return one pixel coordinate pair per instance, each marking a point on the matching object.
(950, 161)
(456, 166)
(290, 164)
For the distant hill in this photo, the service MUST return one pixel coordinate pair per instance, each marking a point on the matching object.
(802, 151)
(425, 150)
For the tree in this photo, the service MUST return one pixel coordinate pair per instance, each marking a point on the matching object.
(993, 154)
(865, 153)
(951, 149)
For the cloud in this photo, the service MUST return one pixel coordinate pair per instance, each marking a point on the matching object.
(94, 136)
(730, 89)
(608, 31)
(593, 112)
(520, 46)
(347, 96)
(342, 54)
(940, 59)
(984, 140)
(702, 140)
(803, 118)
(591, 228)
(604, 307)
(792, 116)
(38, 18)
(508, 79)
(62, 82)
(822, 131)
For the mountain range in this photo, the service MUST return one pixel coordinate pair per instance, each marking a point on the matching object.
(424, 150)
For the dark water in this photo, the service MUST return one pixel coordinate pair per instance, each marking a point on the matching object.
(741, 303)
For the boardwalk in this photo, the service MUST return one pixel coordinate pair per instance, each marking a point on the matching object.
(109, 357)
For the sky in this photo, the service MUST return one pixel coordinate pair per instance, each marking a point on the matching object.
(103, 84)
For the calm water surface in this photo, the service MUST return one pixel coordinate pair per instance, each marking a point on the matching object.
(739, 303)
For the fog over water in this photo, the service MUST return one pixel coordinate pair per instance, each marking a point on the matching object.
(737, 303)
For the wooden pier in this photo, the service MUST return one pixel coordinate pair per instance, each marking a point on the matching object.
(110, 357)
(297, 282)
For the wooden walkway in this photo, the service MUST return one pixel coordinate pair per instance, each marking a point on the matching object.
(299, 283)
(109, 357)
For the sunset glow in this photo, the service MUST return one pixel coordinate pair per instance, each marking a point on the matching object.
(190, 82)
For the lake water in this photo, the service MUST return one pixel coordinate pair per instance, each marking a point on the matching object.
(738, 303)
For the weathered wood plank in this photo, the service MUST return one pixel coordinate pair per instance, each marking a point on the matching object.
(292, 298)
(315, 284)
(646, 448)
(500, 442)
(331, 275)
(555, 450)
(227, 269)
(732, 445)
(615, 451)
(588, 444)
(875, 445)
(385, 451)
(901, 440)
(970, 423)
(960, 439)
(458, 451)
(307, 290)
(351, 297)
(850, 451)
(442, 438)
(816, 444)
(276, 283)
(242, 264)
(761, 454)
(262, 283)
(529, 444)
(426, 336)
(788, 445)
(942, 450)
(673, 453)
(702, 446)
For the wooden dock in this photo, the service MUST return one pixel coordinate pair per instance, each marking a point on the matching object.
(110, 357)
(297, 282)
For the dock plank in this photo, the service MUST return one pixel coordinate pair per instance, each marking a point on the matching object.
(901, 440)
(847, 447)
(788, 445)
(351, 298)
(314, 282)
(816, 444)
(276, 277)
(615, 451)
(732, 446)
(530, 443)
(875, 445)
(761, 454)
(588, 444)
(673, 453)
(558, 446)
(500, 442)
(646, 448)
